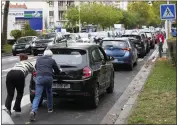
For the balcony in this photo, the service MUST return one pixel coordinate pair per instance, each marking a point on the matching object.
(62, 8)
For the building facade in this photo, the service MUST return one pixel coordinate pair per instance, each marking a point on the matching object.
(18, 17)
(57, 10)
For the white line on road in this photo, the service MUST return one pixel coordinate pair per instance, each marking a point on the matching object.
(25, 101)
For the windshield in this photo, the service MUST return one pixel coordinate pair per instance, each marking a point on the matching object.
(70, 57)
(24, 39)
(47, 36)
(118, 44)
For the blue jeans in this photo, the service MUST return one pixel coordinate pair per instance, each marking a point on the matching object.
(43, 82)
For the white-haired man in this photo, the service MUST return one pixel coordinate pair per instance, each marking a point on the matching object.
(44, 78)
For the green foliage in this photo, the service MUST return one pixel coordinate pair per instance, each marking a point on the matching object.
(28, 31)
(130, 19)
(98, 14)
(16, 34)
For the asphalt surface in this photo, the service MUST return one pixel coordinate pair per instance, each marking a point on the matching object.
(71, 112)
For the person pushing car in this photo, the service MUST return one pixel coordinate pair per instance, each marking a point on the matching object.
(44, 79)
(15, 79)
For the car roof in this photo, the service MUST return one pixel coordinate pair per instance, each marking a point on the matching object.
(28, 36)
(115, 38)
(83, 46)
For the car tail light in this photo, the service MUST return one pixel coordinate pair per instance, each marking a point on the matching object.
(34, 74)
(126, 49)
(87, 72)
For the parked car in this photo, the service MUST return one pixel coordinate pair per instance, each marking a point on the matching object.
(72, 37)
(45, 40)
(141, 44)
(23, 45)
(123, 51)
(86, 73)
(142, 37)
(151, 38)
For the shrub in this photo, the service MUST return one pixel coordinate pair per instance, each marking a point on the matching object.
(172, 51)
(30, 33)
(16, 34)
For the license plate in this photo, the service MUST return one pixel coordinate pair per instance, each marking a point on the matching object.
(40, 48)
(19, 49)
(61, 86)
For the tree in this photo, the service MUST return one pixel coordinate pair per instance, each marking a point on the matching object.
(143, 11)
(5, 20)
(16, 34)
(130, 19)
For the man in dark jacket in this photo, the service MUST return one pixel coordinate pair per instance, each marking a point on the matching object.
(44, 78)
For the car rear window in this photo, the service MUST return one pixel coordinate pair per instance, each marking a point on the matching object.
(70, 57)
(117, 43)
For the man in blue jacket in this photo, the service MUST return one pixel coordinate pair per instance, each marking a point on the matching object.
(44, 79)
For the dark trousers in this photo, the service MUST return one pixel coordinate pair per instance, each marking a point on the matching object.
(15, 79)
(160, 49)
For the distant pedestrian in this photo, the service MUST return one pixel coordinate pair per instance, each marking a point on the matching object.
(161, 39)
(44, 79)
(15, 79)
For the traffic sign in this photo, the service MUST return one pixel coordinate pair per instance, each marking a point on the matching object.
(167, 11)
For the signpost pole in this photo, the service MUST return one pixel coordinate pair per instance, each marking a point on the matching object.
(168, 27)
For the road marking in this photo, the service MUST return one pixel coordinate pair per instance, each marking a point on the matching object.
(25, 101)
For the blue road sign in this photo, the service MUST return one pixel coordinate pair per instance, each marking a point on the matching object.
(167, 11)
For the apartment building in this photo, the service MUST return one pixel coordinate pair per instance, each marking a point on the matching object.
(57, 10)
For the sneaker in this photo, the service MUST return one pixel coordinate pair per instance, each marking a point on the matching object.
(32, 116)
(50, 110)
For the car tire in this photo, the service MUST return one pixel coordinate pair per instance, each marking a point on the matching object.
(32, 98)
(136, 62)
(14, 54)
(35, 54)
(131, 66)
(110, 89)
(95, 97)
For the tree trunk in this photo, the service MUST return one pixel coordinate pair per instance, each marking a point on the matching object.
(5, 20)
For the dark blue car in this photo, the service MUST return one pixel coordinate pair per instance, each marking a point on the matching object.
(122, 49)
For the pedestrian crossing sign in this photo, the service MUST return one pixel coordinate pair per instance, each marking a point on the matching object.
(167, 11)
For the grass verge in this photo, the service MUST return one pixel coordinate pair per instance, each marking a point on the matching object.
(7, 48)
(157, 102)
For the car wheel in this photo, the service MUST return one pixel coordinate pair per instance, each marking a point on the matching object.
(110, 89)
(32, 98)
(14, 54)
(136, 62)
(95, 97)
(131, 66)
(35, 54)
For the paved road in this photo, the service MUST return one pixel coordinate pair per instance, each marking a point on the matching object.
(68, 112)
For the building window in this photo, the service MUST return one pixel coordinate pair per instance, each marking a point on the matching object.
(51, 3)
(21, 22)
(61, 15)
(60, 3)
(51, 13)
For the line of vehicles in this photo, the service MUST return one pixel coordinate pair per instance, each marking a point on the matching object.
(87, 60)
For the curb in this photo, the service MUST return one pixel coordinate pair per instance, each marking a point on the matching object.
(119, 113)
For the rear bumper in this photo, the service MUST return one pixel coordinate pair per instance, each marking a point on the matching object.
(78, 89)
(122, 60)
